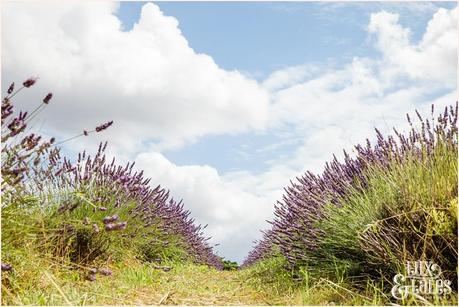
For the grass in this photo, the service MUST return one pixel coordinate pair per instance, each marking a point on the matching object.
(38, 280)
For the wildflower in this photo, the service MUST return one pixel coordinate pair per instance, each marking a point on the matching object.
(96, 228)
(47, 98)
(29, 82)
(102, 209)
(91, 277)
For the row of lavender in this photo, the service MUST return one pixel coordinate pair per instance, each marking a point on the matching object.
(294, 231)
(31, 165)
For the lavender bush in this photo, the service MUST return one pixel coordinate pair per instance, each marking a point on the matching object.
(91, 203)
(358, 209)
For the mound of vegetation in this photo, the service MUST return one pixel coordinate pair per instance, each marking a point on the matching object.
(82, 214)
(364, 218)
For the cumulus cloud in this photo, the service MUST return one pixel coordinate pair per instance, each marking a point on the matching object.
(339, 108)
(433, 59)
(149, 79)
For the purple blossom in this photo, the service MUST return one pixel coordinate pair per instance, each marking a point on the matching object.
(47, 98)
(6, 267)
(11, 88)
(105, 272)
(29, 82)
(104, 126)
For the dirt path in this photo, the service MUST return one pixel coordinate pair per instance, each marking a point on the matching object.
(200, 286)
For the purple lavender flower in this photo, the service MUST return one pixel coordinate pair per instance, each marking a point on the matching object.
(105, 272)
(115, 226)
(104, 126)
(11, 88)
(29, 82)
(47, 98)
(6, 267)
(110, 219)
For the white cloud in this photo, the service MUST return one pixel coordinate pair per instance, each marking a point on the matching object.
(149, 79)
(433, 59)
(287, 77)
(233, 210)
(339, 108)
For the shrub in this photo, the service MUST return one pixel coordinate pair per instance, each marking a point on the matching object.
(393, 201)
(89, 209)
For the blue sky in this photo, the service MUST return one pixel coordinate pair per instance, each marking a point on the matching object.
(259, 38)
(225, 103)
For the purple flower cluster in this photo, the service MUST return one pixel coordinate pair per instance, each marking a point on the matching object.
(20, 152)
(93, 271)
(294, 233)
(115, 226)
(109, 183)
(6, 267)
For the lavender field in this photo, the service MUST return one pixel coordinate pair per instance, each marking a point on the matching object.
(347, 225)
(229, 153)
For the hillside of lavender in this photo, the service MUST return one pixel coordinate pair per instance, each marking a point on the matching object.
(361, 219)
(84, 209)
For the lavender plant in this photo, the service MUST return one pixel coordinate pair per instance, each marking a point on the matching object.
(111, 189)
(91, 202)
(365, 209)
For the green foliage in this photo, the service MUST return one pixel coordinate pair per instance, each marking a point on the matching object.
(272, 273)
(229, 265)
